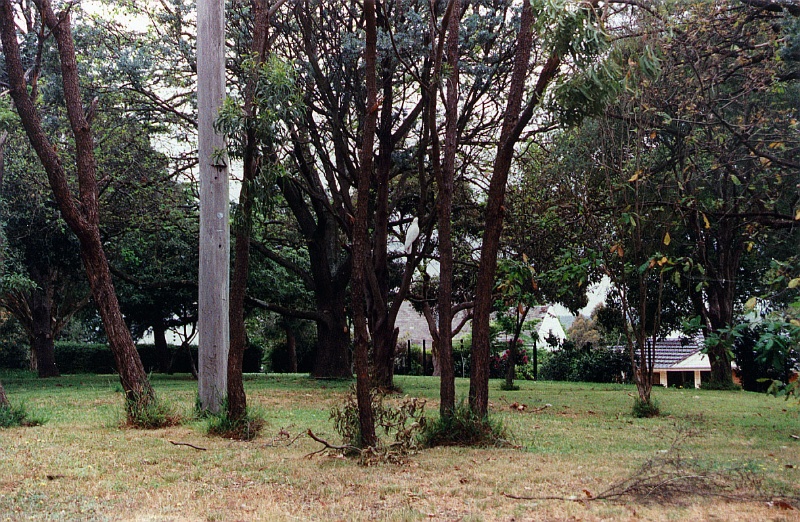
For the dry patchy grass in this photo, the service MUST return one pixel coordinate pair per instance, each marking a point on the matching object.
(82, 465)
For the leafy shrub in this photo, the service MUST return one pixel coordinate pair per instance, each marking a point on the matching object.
(764, 353)
(594, 365)
(645, 410)
(558, 366)
(401, 424)
(17, 415)
(245, 428)
(464, 428)
(84, 358)
(14, 348)
(720, 386)
(150, 413)
(14, 355)
(72, 357)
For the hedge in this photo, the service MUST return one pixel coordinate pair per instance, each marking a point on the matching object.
(98, 358)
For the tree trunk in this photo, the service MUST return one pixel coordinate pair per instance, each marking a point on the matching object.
(384, 333)
(333, 339)
(720, 254)
(237, 399)
(214, 271)
(512, 127)
(163, 357)
(445, 177)
(3, 398)
(42, 346)
(384, 343)
(291, 347)
(83, 218)
(511, 364)
(361, 236)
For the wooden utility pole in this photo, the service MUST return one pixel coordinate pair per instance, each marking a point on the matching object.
(214, 275)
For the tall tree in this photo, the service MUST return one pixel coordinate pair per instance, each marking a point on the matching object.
(214, 273)
(513, 124)
(269, 98)
(81, 213)
(360, 236)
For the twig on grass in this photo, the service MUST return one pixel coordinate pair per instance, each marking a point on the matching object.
(283, 439)
(198, 448)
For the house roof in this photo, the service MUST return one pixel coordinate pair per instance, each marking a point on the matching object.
(679, 354)
(673, 351)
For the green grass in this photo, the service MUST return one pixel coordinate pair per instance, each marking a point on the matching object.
(84, 464)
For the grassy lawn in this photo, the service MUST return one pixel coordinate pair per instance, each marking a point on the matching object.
(82, 465)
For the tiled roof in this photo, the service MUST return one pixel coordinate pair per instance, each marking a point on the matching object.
(672, 351)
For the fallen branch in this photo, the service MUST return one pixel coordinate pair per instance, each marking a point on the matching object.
(671, 475)
(328, 446)
(198, 448)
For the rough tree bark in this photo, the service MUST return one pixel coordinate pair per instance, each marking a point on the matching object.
(81, 213)
(237, 399)
(512, 127)
(3, 137)
(360, 236)
(42, 334)
(444, 173)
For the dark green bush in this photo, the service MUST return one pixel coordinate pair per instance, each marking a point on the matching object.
(12, 415)
(645, 410)
(245, 428)
(74, 357)
(84, 358)
(14, 348)
(594, 365)
(464, 428)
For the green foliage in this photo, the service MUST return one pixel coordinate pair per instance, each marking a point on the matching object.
(244, 428)
(645, 409)
(594, 365)
(786, 390)
(148, 412)
(720, 386)
(464, 428)
(17, 415)
(401, 425)
(74, 357)
(14, 349)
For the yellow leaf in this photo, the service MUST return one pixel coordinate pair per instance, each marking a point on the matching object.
(635, 176)
(705, 220)
(797, 215)
(663, 261)
(749, 246)
(795, 322)
(750, 304)
(794, 283)
(525, 258)
(765, 161)
(667, 239)
(775, 145)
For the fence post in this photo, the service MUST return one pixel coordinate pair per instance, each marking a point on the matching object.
(408, 358)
